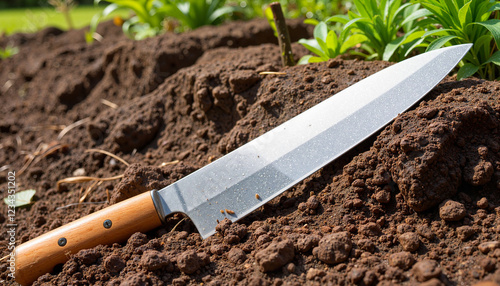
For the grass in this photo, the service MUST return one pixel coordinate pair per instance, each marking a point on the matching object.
(33, 19)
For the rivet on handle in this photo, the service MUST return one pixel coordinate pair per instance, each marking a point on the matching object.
(107, 223)
(62, 241)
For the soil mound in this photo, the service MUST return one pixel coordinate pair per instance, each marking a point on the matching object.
(418, 202)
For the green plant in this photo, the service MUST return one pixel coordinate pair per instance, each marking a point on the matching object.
(65, 7)
(196, 13)
(310, 9)
(150, 15)
(317, 9)
(147, 21)
(8, 52)
(327, 45)
(391, 28)
(472, 21)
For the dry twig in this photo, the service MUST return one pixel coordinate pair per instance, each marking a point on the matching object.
(109, 103)
(43, 150)
(83, 179)
(71, 126)
(272, 73)
(169, 163)
(109, 154)
(177, 224)
(88, 190)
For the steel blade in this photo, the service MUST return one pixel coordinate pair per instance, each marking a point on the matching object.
(282, 157)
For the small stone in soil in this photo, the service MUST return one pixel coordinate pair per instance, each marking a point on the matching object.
(452, 211)
(488, 246)
(483, 203)
(426, 269)
(403, 260)
(409, 241)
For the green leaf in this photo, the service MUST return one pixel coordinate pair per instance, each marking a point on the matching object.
(495, 58)
(363, 11)
(416, 15)
(483, 43)
(219, 13)
(493, 25)
(310, 21)
(438, 43)
(320, 34)
(309, 59)
(412, 45)
(332, 43)
(304, 60)
(352, 41)
(313, 46)
(320, 31)
(391, 48)
(495, 7)
(338, 18)
(20, 199)
(395, 9)
(437, 32)
(465, 14)
(466, 71)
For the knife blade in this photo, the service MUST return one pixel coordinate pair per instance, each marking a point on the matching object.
(256, 172)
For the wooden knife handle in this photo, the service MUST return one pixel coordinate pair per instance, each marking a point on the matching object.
(115, 223)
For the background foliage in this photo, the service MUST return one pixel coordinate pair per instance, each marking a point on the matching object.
(389, 30)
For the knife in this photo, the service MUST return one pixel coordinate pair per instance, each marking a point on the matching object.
(245, 179)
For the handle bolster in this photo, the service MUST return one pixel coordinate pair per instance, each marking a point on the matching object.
(160, 209)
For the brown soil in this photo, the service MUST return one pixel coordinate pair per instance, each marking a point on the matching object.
(416, 203)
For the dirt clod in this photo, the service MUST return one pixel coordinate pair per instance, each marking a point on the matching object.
(275, 256)
(236, 255)
(426, 269)
(488, 246)
(409, 241)
(114, 264)
(465, 231)
(154, 260)
(403, 260)
(189, 261)
(452, 211)
(334, 248)
(88, 256)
